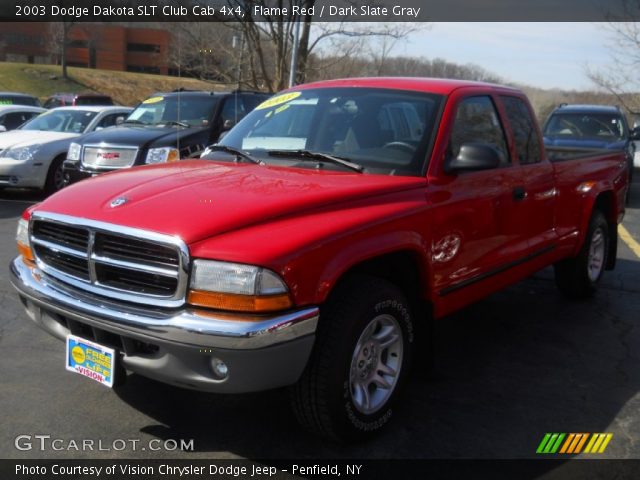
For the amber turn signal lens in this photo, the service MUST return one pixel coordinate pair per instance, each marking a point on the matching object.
(239, 303)
(173, 156)
(27, 253)
(585, 187)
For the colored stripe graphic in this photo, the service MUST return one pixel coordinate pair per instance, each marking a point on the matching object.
(543, 443)
(581, 443)
(550, 443)
(553, 443)
(606, 442)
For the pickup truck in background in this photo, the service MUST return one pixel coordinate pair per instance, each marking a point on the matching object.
(163, 128)
(582, 129)
(316, 244)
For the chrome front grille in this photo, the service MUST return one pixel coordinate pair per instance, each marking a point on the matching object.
(118, 262)
(65, 235)
(108, 157)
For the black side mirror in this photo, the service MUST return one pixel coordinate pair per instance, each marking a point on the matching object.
(119, 120)
(228, 125)
(634, 134)
(474, 156)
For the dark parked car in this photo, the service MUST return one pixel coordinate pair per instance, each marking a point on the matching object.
(13, 98)
(76, 99)
(577, 129)
(163, 128)
(12, 116)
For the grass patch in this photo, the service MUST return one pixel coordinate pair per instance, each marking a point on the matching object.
(38, 80)
(126, 88)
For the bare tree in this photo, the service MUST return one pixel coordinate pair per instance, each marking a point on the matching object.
(201, 50)
(621, 77)
(269, 39)
(59, 42)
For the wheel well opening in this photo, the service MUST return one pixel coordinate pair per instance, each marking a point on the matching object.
(604, 202)
(405, 270)
(57, 158)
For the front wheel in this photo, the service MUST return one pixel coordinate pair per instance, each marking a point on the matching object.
(359, 363)
(578, 277)
(55, 176)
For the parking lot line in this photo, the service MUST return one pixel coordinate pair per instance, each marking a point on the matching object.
(629, 240)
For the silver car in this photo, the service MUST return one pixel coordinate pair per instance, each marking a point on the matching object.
(32, 155)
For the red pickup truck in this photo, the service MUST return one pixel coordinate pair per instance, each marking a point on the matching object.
(316, 243)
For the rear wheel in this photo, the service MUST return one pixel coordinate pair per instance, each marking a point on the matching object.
(55, 176)
(578, 277)
(359, 363)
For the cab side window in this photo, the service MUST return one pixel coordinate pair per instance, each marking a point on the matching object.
(233, 110)
(109, 120)
(15, 119)
(477, 121)
(524, 130)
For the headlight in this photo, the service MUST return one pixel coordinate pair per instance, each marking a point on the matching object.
(234, 286)
(161, 155)
(21, 153)
(74, 152)
(24, 244)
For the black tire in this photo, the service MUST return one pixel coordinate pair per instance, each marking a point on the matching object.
(323, 399)
(574, 277)
(55, 176)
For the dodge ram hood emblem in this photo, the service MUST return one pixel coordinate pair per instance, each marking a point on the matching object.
(116, 202)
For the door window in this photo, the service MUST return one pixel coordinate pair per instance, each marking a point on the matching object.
(525, 133)
(15, 119)
(477, 121)
(109, 120)
(232, 111)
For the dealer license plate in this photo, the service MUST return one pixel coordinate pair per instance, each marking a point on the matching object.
(90, 359)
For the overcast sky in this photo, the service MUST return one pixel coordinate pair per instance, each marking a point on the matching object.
(544, 55)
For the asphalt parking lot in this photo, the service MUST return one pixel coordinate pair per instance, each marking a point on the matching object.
(509, 369)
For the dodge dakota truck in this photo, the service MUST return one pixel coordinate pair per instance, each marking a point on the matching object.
(316, 243)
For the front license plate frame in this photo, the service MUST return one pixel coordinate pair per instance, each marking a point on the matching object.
(90, 360)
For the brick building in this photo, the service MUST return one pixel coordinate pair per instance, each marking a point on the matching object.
(109, 47)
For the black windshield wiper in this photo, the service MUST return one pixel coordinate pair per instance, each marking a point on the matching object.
(316, 156)
(234, 151)
(175, 122)
(134, 121)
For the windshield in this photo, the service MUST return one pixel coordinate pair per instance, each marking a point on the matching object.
(385, 131)
(593, 126)
(189, 110)
(68, 121)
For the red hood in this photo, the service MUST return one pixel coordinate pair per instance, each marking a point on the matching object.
(199, 199)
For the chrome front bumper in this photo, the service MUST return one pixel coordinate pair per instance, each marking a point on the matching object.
(261, 352)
